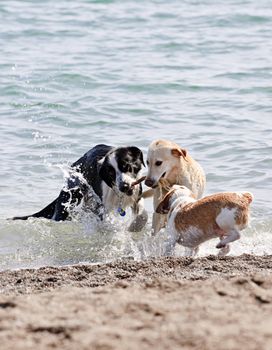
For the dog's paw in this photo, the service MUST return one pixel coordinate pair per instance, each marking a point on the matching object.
(224, 251)
(220, 245)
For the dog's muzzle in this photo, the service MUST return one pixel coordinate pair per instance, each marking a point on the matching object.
(149, 182)
(152, 183)
(126, 188)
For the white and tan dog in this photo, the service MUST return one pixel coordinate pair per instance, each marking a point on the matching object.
(192, 222)
(169, 164)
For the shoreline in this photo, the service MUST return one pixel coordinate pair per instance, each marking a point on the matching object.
(165, 303)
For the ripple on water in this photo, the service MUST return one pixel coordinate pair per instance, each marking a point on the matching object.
(74, 74)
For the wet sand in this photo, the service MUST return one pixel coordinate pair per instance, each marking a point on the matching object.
(168, 303)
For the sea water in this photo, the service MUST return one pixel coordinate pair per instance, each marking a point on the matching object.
(77, 73)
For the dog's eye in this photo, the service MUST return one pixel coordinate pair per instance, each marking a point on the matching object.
(158, 163)
(126, 168)
(136, 169)
(111, 172)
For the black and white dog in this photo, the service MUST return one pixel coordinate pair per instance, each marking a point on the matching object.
(103, 180)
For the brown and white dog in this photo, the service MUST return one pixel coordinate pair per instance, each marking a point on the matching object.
(169, 164)
(192, 222)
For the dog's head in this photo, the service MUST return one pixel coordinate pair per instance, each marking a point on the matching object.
(175, 192)
(163, 161)
(120, 167)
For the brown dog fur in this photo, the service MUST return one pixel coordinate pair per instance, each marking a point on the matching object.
(194, 221)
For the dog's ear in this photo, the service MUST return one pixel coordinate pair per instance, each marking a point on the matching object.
(137, 153)
(164, 205)
(107, 172)
(142, 158)
(179, 152)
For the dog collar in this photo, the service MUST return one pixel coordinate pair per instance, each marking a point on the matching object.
(121, 211)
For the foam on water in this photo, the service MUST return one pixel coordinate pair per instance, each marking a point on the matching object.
(41, 242)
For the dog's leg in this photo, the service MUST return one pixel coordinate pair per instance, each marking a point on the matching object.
(191, 252)
(224, 251)
(158, 222)
(170, 242)
(196, 250)
(232, 236)
(170, 248)
(140, 217)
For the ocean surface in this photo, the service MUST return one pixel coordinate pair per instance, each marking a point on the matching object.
(77, 73)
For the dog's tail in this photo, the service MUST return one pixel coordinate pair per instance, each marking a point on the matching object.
(248, 196)
(47, 213)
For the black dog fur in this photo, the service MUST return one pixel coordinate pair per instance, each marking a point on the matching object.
(103, 179)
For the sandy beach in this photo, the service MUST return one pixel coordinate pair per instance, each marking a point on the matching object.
(166, 303)
(78, 74)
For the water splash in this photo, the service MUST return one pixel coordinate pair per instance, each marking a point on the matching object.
(41, 242)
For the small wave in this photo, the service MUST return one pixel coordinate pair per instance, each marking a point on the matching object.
(41, 242)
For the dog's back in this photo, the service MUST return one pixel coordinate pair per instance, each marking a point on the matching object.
(221, 215)
(221, 208)
(88, 165)
(83, 173)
